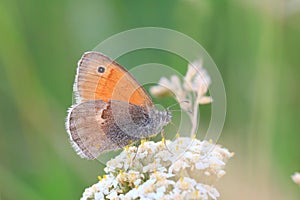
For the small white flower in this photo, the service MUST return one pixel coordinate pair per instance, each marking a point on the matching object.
(201, 165)
(160, 91)
(197, 78)
(204, 100)
(160, 192)
(100, 195)
(137, 182)
(132, 194)
(186, 184)
(88, 193)
(192, 70)
(221, 173)
(213, 193)
(296, 178)
(167, 87)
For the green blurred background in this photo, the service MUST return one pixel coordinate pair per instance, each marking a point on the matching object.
(255, 44)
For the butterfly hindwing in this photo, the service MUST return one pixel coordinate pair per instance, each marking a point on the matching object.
(96, 126)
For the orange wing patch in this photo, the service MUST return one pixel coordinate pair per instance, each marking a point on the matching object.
(118, 85)
(114, 83)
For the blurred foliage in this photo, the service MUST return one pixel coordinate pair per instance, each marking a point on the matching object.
(255, 44)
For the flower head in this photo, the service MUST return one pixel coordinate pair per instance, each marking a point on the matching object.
(188, 173)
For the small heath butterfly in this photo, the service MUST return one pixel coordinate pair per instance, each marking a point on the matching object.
(111, 110)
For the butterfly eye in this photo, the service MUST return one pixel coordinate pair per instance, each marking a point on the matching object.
(101, 69)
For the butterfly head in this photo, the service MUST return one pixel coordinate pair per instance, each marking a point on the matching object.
(159, 119)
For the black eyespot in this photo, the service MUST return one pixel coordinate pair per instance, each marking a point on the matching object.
(101, 69)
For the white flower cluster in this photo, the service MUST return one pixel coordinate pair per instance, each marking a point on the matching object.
(152, 172)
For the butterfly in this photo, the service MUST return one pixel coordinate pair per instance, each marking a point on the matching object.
(111, 108)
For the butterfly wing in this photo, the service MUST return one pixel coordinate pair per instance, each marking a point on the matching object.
(90, 125)
(100, 78)
(84, 129)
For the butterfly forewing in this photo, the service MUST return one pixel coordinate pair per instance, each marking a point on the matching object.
(100, 78)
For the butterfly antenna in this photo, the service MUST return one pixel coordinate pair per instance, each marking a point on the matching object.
(188, 111)
(184, 101)
(175, 110)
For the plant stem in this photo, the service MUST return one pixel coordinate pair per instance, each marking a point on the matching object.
(194, 118)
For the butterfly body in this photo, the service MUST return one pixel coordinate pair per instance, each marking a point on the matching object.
(112, 110)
